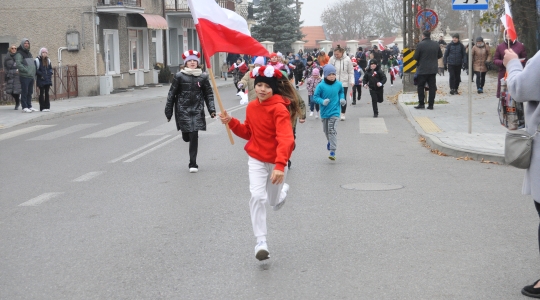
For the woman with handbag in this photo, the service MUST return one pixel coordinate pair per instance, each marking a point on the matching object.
(523, 86)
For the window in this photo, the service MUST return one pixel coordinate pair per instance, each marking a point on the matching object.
(138, 49)
(112, 53)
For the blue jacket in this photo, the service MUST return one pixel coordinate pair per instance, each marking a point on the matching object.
(357, 75)
(43, 74)
(334, 92)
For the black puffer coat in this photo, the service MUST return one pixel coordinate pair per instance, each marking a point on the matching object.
(187, 96)
(13, 82)
(455, 54)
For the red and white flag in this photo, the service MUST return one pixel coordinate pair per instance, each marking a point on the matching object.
(381, 47)
(508, 22)
(222, 30)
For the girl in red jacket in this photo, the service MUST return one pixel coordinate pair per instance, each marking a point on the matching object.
(270, 144)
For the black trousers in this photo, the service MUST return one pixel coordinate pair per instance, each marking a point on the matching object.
(376, 97)
(17, 99)
(431, 80)
(344, 107)
(44, 97)
(480, 79)
(537, 205)
(193, 139)
(354, 89)
(455, 76)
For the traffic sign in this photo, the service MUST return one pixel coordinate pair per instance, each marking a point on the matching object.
(427, 19)
(469, 4)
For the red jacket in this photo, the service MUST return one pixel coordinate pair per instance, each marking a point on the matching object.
(268, 130)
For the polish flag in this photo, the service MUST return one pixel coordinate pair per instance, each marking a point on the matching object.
(222, 30)
(381, 46)
(508, 22)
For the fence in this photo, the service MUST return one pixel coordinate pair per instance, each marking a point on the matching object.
(65, 84)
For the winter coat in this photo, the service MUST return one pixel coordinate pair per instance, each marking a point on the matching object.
(377, 55)
(333, 92)
(43, 73)
(25, 62)
(309, 70)
(523, 86)
(298, 69)
(344, 69)
(312, 83)
(371, 77)
(441, 60)
(323, 60)
(518, 47)
(224, 68)
(480, 55)
(249, 84)
(357, 75)
(427, 54)
(455, 54)
(186, 97)
(13, 82)
(238, 71)
(302, 115)
(385, 56)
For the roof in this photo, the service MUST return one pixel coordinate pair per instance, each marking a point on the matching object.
(313, 35)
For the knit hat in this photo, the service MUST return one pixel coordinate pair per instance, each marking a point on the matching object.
(273, 54)
(268, 75)
(192, 55)
(259, 61)
(455, 35)
(279, 54)
(353, 59)
(328, 69)
(43, 50)
(479, 39)
(316, 72)
(374, 61)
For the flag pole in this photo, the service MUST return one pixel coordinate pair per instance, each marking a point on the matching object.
(216, 91)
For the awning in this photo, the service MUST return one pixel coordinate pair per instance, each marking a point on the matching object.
(155, 21)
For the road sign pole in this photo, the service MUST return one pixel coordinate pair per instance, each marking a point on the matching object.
(470, 71)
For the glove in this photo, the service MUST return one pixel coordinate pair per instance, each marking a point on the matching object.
(446, 67)
(342, 102)
(325, 102)
(240, 85)
(379, 84)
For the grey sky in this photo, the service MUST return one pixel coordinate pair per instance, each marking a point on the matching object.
(312, 10)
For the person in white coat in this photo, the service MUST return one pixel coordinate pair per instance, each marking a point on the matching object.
(523, 86)
(344, 73)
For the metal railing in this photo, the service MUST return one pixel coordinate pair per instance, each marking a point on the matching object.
(132, 3)
(181, 5)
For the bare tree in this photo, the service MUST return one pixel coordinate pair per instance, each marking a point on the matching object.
(348, 19)
(387, 16)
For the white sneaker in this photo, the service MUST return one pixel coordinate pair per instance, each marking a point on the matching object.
(311, 114)
(284, 189)
(342, 117)
(261, 251)
(46, 109)
(316, 115)
(193, 170)
(27, 110)
(33, 109)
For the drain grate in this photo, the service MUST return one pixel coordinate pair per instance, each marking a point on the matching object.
(365, 186)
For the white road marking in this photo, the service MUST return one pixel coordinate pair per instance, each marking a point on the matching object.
(40, 199)
(62, 132)
(113, 130)
(15, 133)
(88, 176)
(372, 125)
(134, 158)
(160, 130)
(139, 149)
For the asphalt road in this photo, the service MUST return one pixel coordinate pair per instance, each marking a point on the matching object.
(102, 206)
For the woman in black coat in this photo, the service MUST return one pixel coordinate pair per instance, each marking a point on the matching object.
(13, 83)
(44, 78)
(189, 91)
(374, 79)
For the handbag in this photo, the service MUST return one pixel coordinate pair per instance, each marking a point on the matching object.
(518, 148)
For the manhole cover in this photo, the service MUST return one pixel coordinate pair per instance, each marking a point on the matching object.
(362, 186)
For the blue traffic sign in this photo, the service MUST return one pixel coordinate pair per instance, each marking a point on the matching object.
(469, 4)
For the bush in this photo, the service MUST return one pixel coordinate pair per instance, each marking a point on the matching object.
(164, 75)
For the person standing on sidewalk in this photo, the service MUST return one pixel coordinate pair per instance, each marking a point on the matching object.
(455, 57)
(480, 56)
(523, 86)
(344, 73)
(269, 132)
(13, 82)
(44, 74)
(427, 54)
(518, 48)
(27, 73)
(189, 91)
(374, 79)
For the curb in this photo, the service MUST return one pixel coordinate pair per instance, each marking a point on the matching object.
(435, 143)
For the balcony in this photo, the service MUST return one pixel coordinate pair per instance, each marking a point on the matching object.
(119, 6)
(182, 6)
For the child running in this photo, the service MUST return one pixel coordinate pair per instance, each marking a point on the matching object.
(357, 87)
(330, 94)
(270, 144)
(312, 84)
(374, 79)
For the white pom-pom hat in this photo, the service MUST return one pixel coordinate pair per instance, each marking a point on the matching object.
(191, 55)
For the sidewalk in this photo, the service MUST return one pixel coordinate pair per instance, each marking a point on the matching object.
(59, 108)
(446, 127)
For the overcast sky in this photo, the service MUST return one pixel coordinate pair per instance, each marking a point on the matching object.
(312, 10)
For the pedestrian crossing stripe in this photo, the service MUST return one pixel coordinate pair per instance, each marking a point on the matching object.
(409, 64)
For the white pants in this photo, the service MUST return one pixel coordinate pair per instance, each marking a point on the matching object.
(262, 189)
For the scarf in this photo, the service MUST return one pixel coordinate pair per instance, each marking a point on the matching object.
(238, 66)
(329, 82)
(192, 72)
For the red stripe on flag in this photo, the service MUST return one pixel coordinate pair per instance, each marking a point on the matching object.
(218, 38)
(511, 30)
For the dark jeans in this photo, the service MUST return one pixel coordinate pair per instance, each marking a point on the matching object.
(44, 97)
(27, 89)
(312, 104)
(193, 139)
(480, 79)
(354, 89)
(344, 107)
(17, 100)
(431, 80)
(376, 97)
(455, 76)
